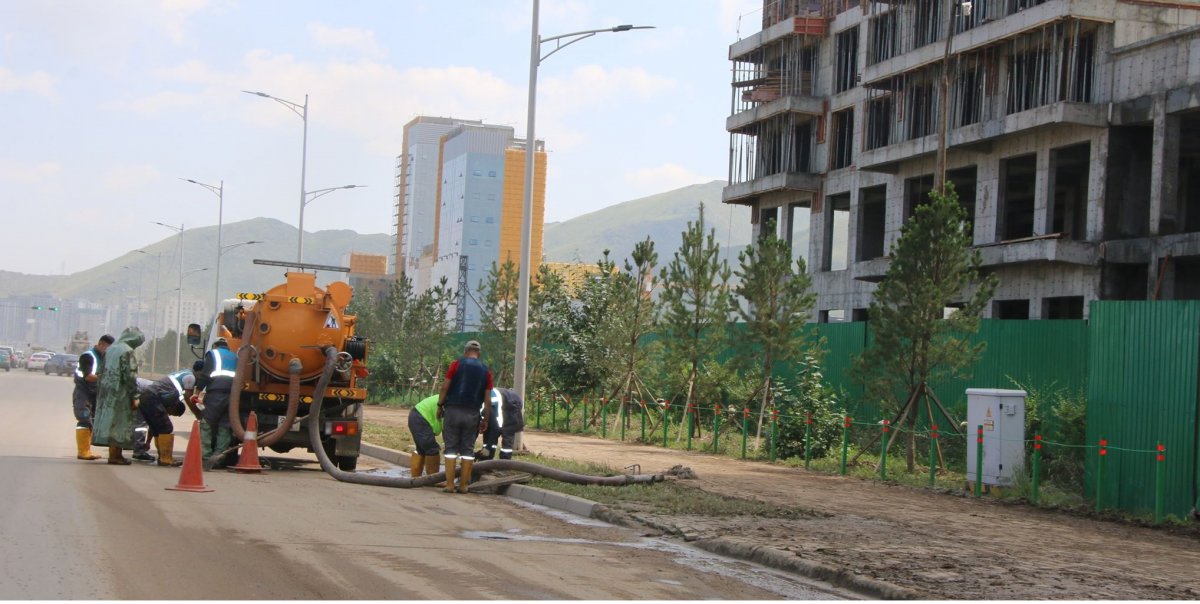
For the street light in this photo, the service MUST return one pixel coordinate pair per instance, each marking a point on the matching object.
(157, 291)
(535, 58)
(226, 248)
(219, 191)
(310, 197)
(302, 111)
(179, 301)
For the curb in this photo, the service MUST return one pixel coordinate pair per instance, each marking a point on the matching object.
(719, 545)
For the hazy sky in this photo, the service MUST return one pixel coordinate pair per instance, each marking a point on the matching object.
(105, 104)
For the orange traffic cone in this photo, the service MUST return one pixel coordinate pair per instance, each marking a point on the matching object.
(191, 478)
(248, 462)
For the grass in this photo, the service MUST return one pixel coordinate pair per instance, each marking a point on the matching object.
(392, 437)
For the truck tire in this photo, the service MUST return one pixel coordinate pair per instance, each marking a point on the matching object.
(346, 463)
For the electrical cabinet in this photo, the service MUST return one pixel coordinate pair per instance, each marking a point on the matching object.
(1002, 415)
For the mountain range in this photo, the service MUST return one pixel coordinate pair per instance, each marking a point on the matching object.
(663, 217)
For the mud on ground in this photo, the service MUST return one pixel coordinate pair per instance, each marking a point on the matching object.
(938, 545)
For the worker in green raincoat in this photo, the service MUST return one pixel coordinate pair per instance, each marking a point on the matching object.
(117, 399)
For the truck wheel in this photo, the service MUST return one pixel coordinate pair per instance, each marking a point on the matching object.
(347, 463)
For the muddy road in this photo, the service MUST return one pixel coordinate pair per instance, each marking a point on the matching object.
(71, 529)
(939, 545)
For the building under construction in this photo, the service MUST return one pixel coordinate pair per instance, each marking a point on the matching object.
(1072, 137)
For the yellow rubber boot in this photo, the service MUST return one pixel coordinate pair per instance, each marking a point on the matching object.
(416, 464)
(166, 447)
(431, 464)
(83, 444)
(450, 461)
(464, 480)
(115, 457)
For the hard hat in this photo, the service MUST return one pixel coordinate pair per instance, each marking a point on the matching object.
(188, 382)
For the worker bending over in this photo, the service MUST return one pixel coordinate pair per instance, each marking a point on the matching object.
(425, 425)
(507, 418)
(170, 395)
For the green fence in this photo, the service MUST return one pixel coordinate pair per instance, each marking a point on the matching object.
(1142, 391)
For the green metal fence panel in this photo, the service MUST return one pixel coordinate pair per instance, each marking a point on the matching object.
(843, 343)
(1142, 388)
(1046, 355)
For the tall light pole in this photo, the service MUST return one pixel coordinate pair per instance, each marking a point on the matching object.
(310, 197)
(157, 291)
(179, 301)
(219, 191)
(226, 248)
(535, 59)
(302, 111)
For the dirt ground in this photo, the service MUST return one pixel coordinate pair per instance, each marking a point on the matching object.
(938, 545)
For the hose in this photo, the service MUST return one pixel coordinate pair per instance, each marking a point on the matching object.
(483, 467)
(245, 353)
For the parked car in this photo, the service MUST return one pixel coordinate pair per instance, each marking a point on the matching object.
(61, 364)
(6, 360)
(37, 361)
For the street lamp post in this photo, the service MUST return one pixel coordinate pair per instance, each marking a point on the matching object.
(157, 291)
(302, 111)
(179, 298)
(312, 196)
(535, 59)
(219, 191)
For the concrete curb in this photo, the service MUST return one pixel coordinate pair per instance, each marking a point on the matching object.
(720, 545)
(786, 562)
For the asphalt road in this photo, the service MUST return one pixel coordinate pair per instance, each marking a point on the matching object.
(72, 529)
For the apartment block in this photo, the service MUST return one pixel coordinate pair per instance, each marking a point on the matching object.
(1070, 134)
(460, 203)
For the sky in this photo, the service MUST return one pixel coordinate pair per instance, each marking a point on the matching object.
(106, 105)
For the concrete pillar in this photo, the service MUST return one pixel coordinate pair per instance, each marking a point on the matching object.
(1096, 184)
(986, 194)
(1042, 198)
(818, 234)
(1164, 170)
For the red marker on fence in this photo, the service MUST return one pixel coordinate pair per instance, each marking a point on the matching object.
(746, 413)
(1103, 444)
(807, 420)
(1037, 442)
(886, 426)
(846, 425)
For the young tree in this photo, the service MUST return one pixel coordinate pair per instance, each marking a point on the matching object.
(498, 318)
(777, 304)
(633, 314)
(586, 362)
(695, 304)
(550, 317)
(917, 335)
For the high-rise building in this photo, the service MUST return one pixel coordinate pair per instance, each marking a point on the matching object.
(460, 202)
(1071, 139)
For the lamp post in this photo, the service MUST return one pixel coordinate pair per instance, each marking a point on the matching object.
(535, 59)
(157, 291)
(310, 197)
(179, 301)
(222, 251)
(219, 191)
(302, 111)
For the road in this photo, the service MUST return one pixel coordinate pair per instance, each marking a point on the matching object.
(86, 530)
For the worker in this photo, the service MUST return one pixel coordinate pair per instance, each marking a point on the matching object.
(117, 397)
(425, 425)
(83, 399)
(170, 395)
(216, 380)
(463, 398)
(507, 418)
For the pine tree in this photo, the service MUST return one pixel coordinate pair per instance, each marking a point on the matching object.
(695, 305)
(498, 318)
(925, 309)
(776, 306)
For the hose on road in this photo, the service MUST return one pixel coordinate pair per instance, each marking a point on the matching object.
(483, 467)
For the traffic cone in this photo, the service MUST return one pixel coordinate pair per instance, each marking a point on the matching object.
(248, 462)
(191, 478)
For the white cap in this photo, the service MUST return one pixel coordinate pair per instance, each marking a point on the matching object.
(188, 381)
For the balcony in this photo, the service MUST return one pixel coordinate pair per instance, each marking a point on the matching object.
(805, 105)
(746, 192)
(977, 137)
(805, 26)
(1045, 248)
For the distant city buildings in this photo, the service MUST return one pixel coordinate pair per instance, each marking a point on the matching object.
(459, 202)
(368, 274)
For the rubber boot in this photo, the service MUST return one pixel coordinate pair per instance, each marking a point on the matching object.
(83, 444)
(166, 446)
(115, 458)
(505, 454)
(431, 464)
(450, 461)
(464, 479)
(416, 463)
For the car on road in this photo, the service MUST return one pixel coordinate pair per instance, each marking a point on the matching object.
(6, 360)
(61, 364)
(37, 361)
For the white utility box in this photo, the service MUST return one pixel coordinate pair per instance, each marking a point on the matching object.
(1002, 415)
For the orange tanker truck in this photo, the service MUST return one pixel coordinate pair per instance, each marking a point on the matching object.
(295, 342)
